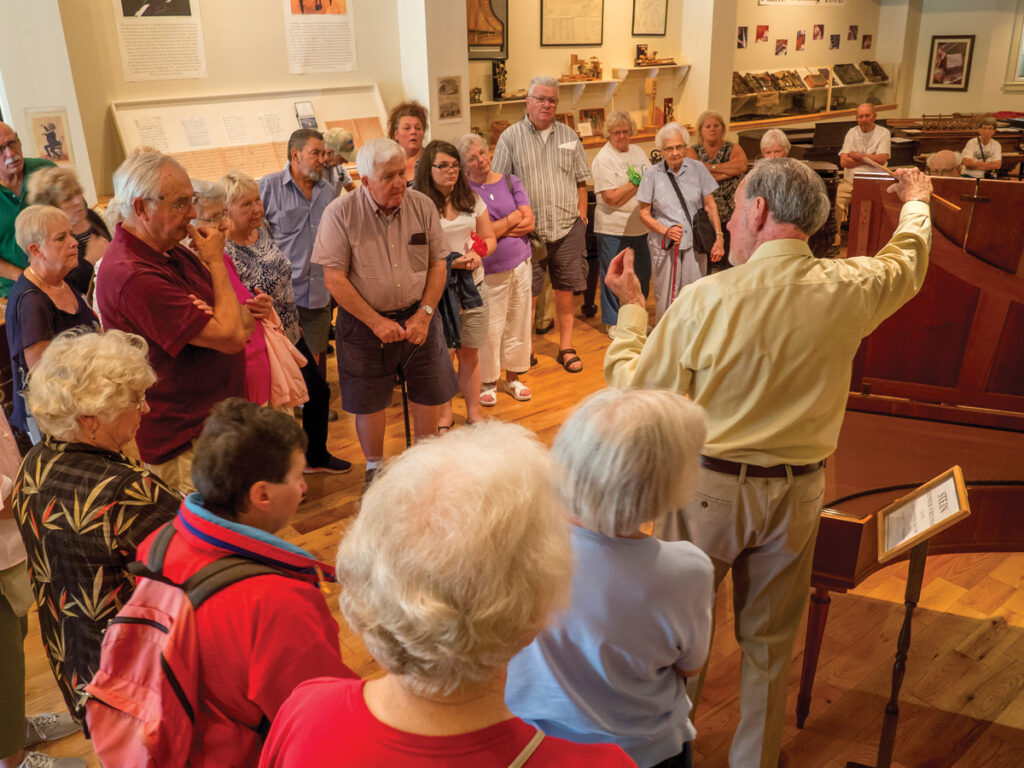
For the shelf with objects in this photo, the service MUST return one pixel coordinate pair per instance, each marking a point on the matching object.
(647, 93)
(808, 94)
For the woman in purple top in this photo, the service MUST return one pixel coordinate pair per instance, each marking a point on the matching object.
(507, 273)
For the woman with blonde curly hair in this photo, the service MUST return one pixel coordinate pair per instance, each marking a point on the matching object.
(457, 559)
(81, 504)
(407, 124)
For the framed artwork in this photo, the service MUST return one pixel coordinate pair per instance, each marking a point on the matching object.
(487, 28)
(449, 98)
(949, 63)
(650, 17)
(567, 118)
(571, 22)
(596, 119)
(50, 135)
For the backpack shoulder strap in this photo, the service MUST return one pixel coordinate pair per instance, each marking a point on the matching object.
(154, 565)
(222, 573)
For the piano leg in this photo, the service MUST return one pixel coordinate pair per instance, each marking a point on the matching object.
(817, 614)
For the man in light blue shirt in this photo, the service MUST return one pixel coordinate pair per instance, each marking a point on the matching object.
(294, 199)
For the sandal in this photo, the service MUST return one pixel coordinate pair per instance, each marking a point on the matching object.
(443, 428)
(517, 389)
(533, 359)
(568, 357)
(489, 396)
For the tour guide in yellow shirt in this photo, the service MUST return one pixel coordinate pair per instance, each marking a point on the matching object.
(767, 348)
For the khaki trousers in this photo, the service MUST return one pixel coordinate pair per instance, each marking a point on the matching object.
(764, 530)
(177, 472)
(844, 194)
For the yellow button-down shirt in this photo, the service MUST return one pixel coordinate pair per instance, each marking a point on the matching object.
(767, 347)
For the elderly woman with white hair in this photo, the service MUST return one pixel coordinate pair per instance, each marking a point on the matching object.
(670, 195)
(61, 188)
(774, 143)
(338, 143)
(617, 170)
(211, 212)
(458, 557)
(81, 504)
(614, 666)
(507, 273)
(41, 303)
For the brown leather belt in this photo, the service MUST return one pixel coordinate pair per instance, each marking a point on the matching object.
(779, 470)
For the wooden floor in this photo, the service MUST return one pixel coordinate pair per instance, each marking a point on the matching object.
(962, 704)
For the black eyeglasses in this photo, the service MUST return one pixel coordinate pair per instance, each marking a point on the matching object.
(445, 167)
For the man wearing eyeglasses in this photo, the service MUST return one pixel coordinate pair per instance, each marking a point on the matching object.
(181, 302)
(548, 158)
(15, 169)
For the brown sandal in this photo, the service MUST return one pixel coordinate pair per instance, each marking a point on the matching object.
(567, 357)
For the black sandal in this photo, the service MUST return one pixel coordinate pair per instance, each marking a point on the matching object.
(567, 357)
(443, 429)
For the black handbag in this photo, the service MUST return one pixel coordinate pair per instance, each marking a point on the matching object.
(704, 234)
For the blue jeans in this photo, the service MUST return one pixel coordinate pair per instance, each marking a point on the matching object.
(607, 248)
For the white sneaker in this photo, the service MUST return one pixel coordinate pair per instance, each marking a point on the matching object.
(49, 726)
(39, 760)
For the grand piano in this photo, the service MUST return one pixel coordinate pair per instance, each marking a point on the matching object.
(939, 383)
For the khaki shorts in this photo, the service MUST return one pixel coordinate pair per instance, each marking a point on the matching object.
(566, 261)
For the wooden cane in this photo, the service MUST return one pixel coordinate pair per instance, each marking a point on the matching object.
(881, 167)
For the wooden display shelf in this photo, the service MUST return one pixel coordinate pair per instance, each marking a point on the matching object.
(773, 122)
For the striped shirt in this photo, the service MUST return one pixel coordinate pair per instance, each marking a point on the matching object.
(385, 256)
(551, 172)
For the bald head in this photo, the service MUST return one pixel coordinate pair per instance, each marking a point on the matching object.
(866, 117)
(12, 162)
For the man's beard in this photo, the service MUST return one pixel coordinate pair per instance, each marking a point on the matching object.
(315, 176)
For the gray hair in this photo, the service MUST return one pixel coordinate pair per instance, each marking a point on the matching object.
(85, 373)
(630, 457)
(667, 130)
(989, 121)
(458, 556)
(375, 153)
(775, 137)
(34, 222)
(209, 191)
(236, 184)
(139, 177)
(544, 81)
(710, 114)
(53, 186)
(300, 138)
(113, 214)
(466, 143)
(793, 193)
(618, 118)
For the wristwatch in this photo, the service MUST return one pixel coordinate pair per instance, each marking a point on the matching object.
(428, 309)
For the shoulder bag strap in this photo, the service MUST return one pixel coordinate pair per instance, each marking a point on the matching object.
(528, 750)
(675, 186)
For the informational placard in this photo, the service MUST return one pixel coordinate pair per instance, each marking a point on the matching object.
(211, 135)
(160, 39)
(921, 514)
(319, 36)
(571, 22)
(650, 17)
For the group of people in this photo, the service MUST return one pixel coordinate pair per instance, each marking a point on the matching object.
(490, 595)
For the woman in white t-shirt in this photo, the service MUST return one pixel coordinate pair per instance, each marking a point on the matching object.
(983, 155)
(463, 214)
(617, 170)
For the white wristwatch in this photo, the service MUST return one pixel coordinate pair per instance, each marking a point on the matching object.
(428, 309)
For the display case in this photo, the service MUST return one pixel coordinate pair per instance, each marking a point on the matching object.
(800, 94)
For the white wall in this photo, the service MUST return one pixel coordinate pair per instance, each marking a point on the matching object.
(991, 22)
(245, 53)
(35, 73)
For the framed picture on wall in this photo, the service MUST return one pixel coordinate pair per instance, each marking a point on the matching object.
(949, 63)
(650, 17)
(571, 22)
(487, 27)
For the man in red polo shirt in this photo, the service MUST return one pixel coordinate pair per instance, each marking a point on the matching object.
(149, 284)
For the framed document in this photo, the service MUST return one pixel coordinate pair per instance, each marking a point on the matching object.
(949, 64)
(650, 17)
(571, 22)
(921, 514)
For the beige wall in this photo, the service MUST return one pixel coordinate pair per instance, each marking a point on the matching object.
(245, 53)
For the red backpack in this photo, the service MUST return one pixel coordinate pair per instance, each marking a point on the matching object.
(142, 701)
